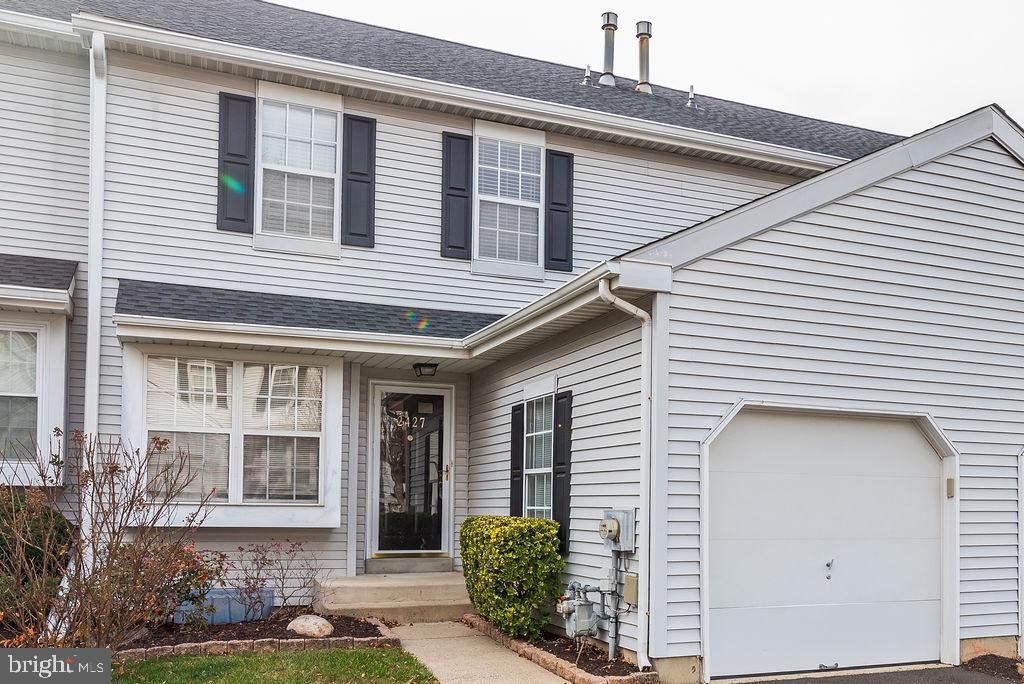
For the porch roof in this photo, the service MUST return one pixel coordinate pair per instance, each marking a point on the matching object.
(39, 284)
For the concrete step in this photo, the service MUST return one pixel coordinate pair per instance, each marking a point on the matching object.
(402, 597)
(389, 566)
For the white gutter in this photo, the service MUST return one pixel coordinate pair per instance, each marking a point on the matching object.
(41, 26)
(97, 157)
(455, 95)
(646, 353)
(40, 299)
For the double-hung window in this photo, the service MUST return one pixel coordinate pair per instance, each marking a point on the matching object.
(538, 451)
(298, 178)
(19, 393)
(250, 433)
(509, 217)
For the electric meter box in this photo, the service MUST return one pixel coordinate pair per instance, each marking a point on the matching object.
(616, 529)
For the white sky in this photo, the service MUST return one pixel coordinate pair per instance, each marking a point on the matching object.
(900, 66)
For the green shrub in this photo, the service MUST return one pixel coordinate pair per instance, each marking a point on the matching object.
(512, 569)
(47, 534)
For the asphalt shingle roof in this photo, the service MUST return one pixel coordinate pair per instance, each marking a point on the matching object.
(259, 24)
(196, 303)
(43, 272)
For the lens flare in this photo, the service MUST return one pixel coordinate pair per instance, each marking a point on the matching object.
(232, 184)
(419, 324)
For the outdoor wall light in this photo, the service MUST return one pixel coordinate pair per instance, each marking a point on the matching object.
(425, 370)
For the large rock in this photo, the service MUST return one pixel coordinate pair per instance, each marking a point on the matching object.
(311, 626)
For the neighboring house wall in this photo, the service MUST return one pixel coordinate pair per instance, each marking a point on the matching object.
(600, 362)
(905, 296)
(44, 178)
(161, 206)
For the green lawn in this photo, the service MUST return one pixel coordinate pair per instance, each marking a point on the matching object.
(366, 666)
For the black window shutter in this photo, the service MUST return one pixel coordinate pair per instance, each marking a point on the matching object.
(562, 466)
(236, 169)
(358, 162)
(558, 212)
(456, 196)
(515, 496)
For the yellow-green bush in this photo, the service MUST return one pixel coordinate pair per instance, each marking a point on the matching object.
(512, 569)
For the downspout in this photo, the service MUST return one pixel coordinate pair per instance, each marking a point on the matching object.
(646, 382)
(97, 157)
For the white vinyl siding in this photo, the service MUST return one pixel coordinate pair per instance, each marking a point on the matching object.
(905, 296)
(599, 362)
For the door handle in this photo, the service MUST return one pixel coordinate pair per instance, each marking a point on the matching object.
(446, 473)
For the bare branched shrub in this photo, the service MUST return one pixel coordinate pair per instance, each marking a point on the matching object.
(284, 566)
(121, 554)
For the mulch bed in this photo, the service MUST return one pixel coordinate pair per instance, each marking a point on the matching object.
(594, 659)
(171, 635)
(997, 666)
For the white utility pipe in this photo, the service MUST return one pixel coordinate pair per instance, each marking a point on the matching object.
(646, 382)
(97, 157)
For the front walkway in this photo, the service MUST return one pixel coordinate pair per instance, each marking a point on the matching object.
(457, 654)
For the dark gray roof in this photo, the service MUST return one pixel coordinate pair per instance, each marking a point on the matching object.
(273, 27)
(195, 303)
(27, 271)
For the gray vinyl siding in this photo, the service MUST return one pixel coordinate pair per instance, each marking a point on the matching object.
(600, 363)
(161, 206)
(906, 296)
(44, 177)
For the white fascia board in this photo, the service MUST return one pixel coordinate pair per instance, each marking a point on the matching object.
(160, 329)
(17, 298)
(455, 95)
(36, 25)
(637, 274)
(790, 203)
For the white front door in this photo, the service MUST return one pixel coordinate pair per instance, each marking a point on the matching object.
(825, 542)
(411, 457)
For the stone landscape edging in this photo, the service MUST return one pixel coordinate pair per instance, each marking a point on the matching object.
(387, 639)
(551, 662)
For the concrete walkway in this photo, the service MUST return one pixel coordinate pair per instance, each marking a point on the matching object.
(457, 654)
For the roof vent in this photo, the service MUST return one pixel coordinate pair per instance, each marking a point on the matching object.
(587, 81)
(643, 32)
(690, 102)
(609, 22)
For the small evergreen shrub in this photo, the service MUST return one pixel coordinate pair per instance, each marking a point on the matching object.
(44, 531)
(512, 569)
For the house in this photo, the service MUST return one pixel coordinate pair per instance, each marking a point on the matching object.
(376, 282)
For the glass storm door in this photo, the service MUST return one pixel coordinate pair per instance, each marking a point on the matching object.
(412, 472)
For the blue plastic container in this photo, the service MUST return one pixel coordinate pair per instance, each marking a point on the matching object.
(228, 607)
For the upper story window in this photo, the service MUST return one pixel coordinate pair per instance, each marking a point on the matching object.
(298, 164)
(509, 222)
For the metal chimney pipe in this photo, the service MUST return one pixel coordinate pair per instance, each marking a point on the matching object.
(643, 32)
(609, 22)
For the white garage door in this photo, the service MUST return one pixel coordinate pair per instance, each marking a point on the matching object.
(824, 544)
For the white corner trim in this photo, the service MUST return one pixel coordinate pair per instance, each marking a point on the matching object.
(455, 95)
(43, 300)
(352, 491)
(97, 173)
(749, 220)
(949, 647)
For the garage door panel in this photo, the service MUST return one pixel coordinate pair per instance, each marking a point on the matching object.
(793, 572)
(812, 506)
(764, 640)
(827, 445)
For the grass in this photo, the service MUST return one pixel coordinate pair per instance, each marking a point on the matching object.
(366, 666)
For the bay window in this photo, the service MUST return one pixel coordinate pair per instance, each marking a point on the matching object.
(249, 432)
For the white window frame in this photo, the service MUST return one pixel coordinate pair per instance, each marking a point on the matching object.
(235, 512)
(51, 383)
(524, 136)
(293, 244)
(538, 471)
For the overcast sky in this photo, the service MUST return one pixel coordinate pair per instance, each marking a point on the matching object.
(900, 65)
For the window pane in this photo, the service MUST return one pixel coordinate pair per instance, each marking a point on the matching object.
(282, 414)
(18, 427)
(528, 220)
(487, 183)
(530, 188)
(488, 243)
(282, 397)
(298, 188)
(296, 219)
(325, 126)
(323, 157)
(528, 248)
(488, 215)
(274, 114)
(281, 468)
(310, 383)
(273, 184)
(17, 362)
(510, 156)
(300, 122)
(322, 225)
(273, 216)
(508, 246)
(488, 152)
(538, 495)
(188, 393)
(194, 463)
(273, 150)
(298, 154)
(323, 192)
(509, 185)
(530, 159)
